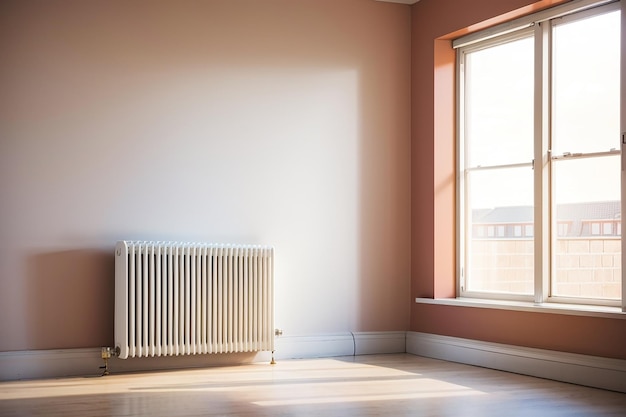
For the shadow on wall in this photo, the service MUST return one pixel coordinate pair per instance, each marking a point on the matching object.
(72, 299)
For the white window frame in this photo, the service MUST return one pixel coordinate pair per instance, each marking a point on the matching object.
(540, 24)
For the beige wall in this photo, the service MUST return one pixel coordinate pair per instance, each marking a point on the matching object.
(433, 196)
(277, 122)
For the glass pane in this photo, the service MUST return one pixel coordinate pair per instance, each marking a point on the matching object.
(587, 252)
(500, 251)
(499, 104)
(586, 76)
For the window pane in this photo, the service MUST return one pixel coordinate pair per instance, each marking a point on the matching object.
(588, 253)
(499, 104)
(586, 79)
(501, 202)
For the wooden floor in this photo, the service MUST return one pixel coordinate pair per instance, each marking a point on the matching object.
(376, 385)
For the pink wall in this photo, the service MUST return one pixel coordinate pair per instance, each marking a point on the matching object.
(433, 196)
(278, 122)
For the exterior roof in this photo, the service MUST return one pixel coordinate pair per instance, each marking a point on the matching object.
(564, 212)
(602, 218)
(514, 214)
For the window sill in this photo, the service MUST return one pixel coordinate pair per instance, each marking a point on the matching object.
(554, 308)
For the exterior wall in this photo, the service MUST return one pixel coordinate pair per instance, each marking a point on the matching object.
(503, 265)
(274, 122)
(590, 267)
(433, 258)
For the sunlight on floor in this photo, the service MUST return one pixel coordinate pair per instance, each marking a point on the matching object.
(399, 385)
(350, 381)
(461, 391)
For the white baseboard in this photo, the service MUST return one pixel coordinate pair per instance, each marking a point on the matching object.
(592, 371)
(340, 344)
(371, 343)
(37, 364)
(586, 370)
(31, 364)
(314, 346)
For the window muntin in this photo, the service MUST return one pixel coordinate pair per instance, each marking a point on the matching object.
(501, 265)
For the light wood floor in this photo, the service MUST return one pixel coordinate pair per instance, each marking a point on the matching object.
(376, 385)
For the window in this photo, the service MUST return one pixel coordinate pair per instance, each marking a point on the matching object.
(563, 228)
(539, 146)
(528, 230)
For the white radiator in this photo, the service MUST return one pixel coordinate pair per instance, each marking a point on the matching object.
(191, 298)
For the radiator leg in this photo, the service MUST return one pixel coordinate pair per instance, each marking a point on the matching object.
(273, 362)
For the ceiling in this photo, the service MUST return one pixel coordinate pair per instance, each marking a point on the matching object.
(401, 1)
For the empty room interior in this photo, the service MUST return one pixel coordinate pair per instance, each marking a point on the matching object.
(439, 183)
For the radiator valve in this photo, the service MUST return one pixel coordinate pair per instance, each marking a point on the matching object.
(106, 354)
(278, 332)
